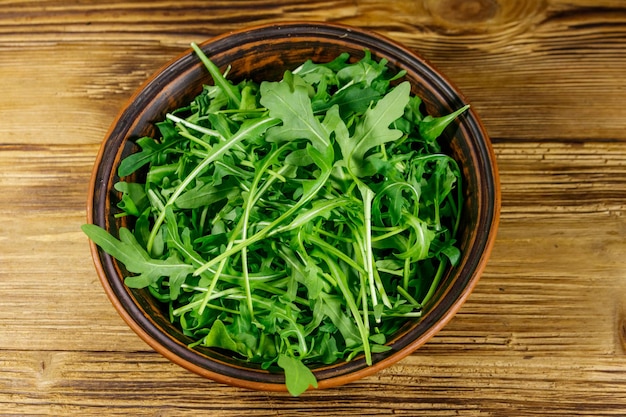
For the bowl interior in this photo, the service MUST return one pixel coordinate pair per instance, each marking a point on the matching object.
(263, 54)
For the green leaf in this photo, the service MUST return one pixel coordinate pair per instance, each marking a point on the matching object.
(378, 338)
(452, 253)
(329, 349)
(135, 258)
(390, 201)
(288, 100)
(134, 200)
(158, 173)
(374, 129)
(365, 71)
(319, 208)
(206, 195)
(421, 236)
(232, 92)
(299, 158)
(313, 72)
(298, 378)
(150, 149)
(356, 98)
(380, 348)
(345, 325)
(219, 337)
(431, 128)
(168, 131)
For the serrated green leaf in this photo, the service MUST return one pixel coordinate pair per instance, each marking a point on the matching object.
(288, 100)
(374, 129)
(134, 257)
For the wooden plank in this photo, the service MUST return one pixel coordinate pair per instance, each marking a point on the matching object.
(159, 21)
(527, 53)
(50, 297)
(138, 384)
(73, 103)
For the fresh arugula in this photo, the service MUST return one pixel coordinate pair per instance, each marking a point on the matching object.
(294, 223)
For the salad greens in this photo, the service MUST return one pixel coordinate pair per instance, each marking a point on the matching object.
(292, 223)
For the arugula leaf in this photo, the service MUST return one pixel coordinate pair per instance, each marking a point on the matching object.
(220, 337)
(150, 149)
(356, 98)
(431, 128)
(135, 258)
(233, 94)
(298, 377)
(134, 200)
(365, 70)
(313, 72)
(206, 194)
(333, 309)
(374, 129)
(288, 100)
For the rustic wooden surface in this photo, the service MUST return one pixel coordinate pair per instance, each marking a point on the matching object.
(543, 334)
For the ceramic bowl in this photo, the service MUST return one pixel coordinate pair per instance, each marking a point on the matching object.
(263, 53)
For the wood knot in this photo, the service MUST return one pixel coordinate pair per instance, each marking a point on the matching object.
(464, 11)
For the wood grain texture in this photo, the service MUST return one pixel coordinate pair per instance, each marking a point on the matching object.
(543, 334)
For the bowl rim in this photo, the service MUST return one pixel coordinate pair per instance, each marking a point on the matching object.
(493, 213)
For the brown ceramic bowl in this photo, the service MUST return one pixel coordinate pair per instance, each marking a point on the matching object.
(263, 53)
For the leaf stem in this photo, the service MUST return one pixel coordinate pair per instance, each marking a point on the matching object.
(190, 125)
(262, 234)
(408, 297)
(354, 310)
(217, 76)
(435, 284)
(253, 197)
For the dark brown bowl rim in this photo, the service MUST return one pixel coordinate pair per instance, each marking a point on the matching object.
(437, 318)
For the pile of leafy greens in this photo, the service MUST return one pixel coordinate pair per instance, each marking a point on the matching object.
(292, 223)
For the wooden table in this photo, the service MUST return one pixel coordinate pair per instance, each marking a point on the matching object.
(543, 334)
